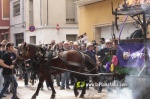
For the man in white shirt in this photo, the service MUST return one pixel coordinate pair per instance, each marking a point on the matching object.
(85, 38)
(102, 41)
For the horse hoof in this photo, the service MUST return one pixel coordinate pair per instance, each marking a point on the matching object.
(42, 89)
(81, 97)
(52, 97)
(76, 94)
(33, 97)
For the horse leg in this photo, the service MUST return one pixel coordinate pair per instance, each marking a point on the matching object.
(101, 82)
(52, 88)
(83, 91)
(41, 80)
(76, 90)
(109, 80)
(42, 87)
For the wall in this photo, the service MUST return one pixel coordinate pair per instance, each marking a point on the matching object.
(56, 15)
(99, 13)
(45, 35)
(17, 24)
(57, 12)
(4, 11)
(4, 20)
(127, 30)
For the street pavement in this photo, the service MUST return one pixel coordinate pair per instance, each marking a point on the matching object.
(26, 92)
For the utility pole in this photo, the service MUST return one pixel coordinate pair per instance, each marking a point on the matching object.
(41, 11)
(47, 12)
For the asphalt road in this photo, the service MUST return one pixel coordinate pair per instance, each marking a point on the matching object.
(27, 92)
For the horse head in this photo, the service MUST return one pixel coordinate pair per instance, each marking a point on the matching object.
(19, 61)
(27, 51)
(26, 55)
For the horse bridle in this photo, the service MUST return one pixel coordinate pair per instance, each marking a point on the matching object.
(23, 62)
(23, 54)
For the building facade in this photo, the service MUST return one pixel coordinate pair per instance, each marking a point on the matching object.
(95, 18)
(17, 21)
(4, 20)
(52, 19)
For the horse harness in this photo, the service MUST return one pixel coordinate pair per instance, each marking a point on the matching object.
(55, 54)
(42, 55)
(63, 57)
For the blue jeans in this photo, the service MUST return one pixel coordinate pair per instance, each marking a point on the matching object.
(65, 76)
(20, 71)
(9, 79)
(26, 76)
(1, 79)
(58, 79)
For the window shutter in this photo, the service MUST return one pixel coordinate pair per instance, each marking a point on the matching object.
(70, 11)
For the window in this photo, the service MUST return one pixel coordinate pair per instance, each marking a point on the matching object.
(4, 35)
(31, 17)
(71, 37)
(19, 38)
(5, 8)
(16, 8)
(33, 39)
(70, 12)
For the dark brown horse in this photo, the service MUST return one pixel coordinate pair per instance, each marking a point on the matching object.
(71, 60)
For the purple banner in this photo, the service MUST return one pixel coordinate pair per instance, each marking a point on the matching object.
(148, 49)
(131, 54)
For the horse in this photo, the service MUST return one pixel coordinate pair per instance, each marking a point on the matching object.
(72, 60)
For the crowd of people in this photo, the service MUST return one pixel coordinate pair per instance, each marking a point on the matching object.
(94, 50)
(8, 54)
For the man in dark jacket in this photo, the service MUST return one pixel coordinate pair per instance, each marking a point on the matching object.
(90, 52)
(102, 59)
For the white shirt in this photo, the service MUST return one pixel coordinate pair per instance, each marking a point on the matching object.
(85, 39)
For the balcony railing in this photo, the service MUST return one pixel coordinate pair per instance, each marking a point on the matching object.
(70, 21)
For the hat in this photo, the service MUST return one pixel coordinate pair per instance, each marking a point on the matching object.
(75, 43)
(107, 41)
(70, 41)
(88, 45)
(66, 42)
